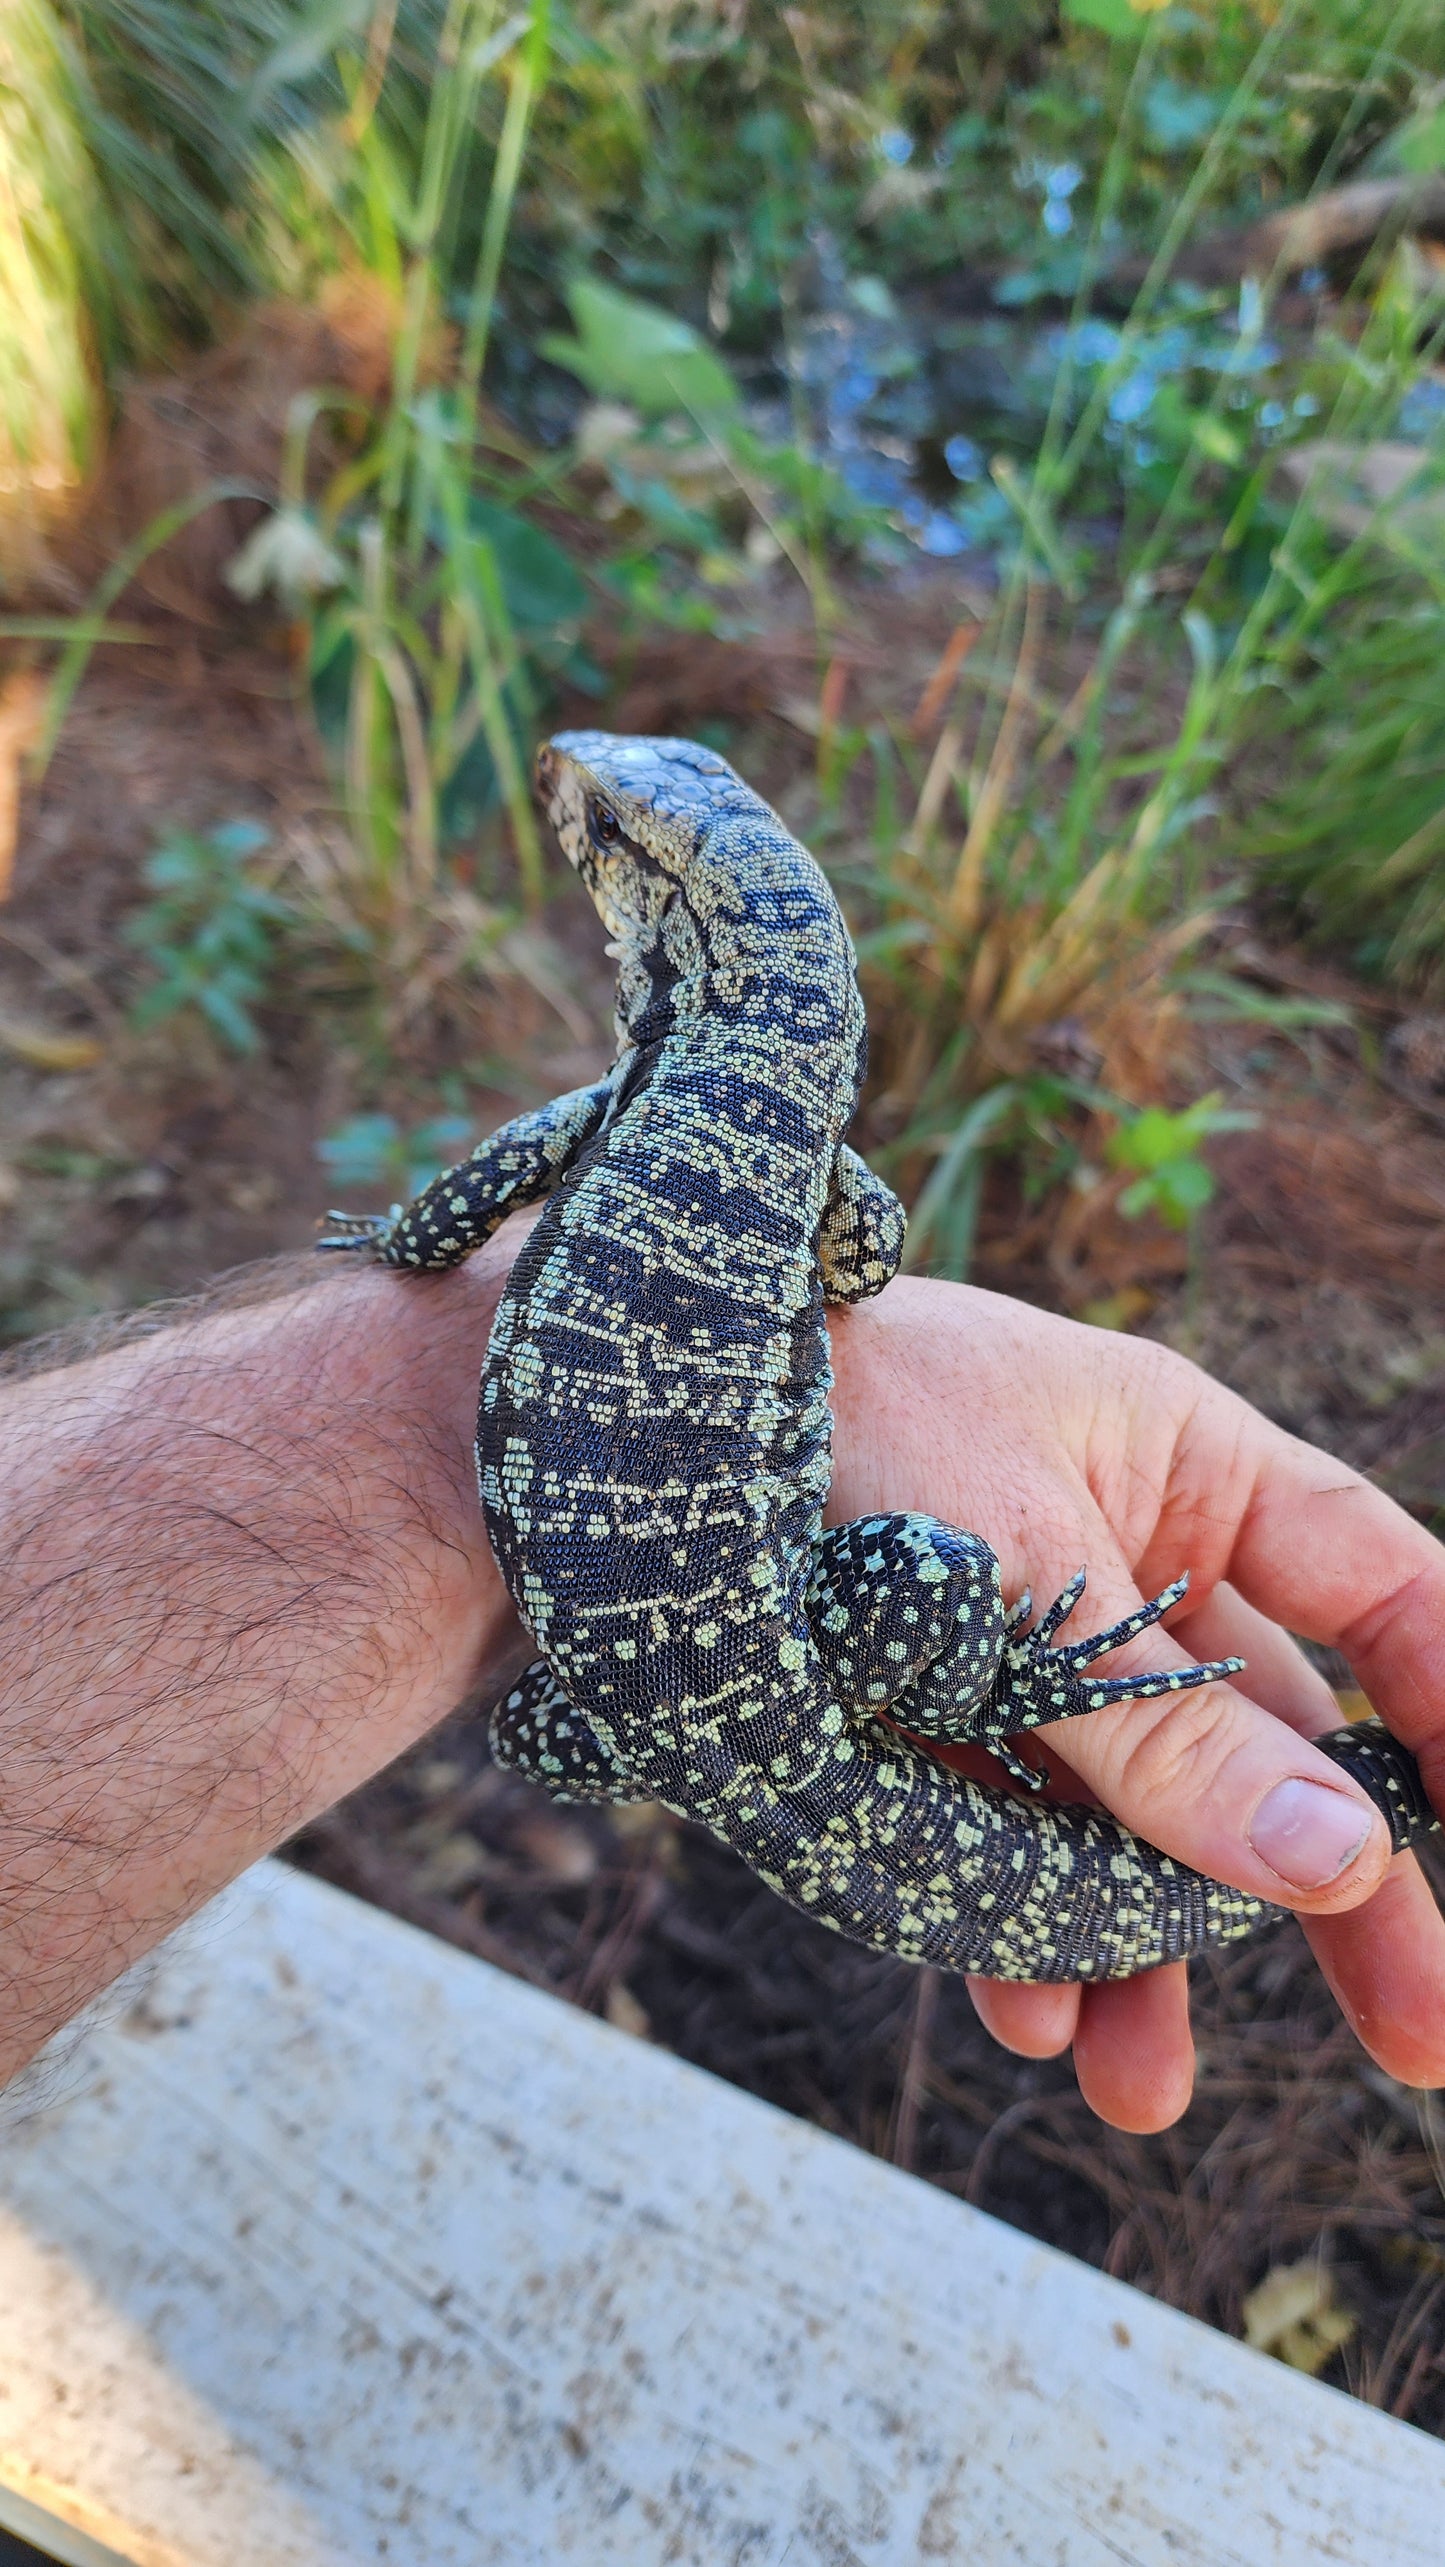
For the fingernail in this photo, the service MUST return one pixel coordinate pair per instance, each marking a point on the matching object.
(1307, 1833)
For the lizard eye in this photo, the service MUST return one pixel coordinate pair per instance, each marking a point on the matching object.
(606, 828)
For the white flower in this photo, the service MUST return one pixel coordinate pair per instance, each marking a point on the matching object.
(286, 553)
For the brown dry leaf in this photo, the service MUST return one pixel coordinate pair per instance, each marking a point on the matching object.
(625, 2014)
(1294, 2315)
(41, 1047)
(1363, 490)
(1120, 1310)
(437, 1776)
(456, 1864)
(364, 315)
(1334, 1196)
(1097, 1255)
(1353, 1704)
(557, 1847)
(641, 1820)
(23, 698)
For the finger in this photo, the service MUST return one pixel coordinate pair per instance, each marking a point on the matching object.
(1386, 1965)
(1036, 2022)
(1318, 1549)
(1384, 1960)
(1134, 2051)
(1278, 1675)
(1210, 1778)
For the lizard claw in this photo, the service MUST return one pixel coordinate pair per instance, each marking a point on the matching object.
(1027, 1776)
(351, 1233)
(1041, 1684)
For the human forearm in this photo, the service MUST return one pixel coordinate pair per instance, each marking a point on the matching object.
(242, 1565)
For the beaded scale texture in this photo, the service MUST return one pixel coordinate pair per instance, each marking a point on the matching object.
(653, 1441)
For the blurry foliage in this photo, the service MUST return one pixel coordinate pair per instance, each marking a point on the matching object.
(699, 148)
(206, 118)
(675, 240)
(702, 146)
(1354, 829)
(212, 933)
(55, 288)
(433, 605)
(371, 1150)
(685, 471)
(1348, 728)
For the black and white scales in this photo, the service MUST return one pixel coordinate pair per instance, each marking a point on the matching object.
(654, 1452)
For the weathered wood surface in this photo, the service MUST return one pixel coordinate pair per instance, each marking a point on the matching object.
(350, 2249)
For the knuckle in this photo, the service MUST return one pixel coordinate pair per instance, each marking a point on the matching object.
(1174, 1752)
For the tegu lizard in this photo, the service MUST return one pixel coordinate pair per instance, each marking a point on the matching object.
(653, 1441)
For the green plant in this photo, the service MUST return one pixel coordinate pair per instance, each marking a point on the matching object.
(374, 1150)
(944, 1218)
(671, 436)
(1171, 616)
(434, 604)
(1351, 822)
(215, 129)
(1056, 870)
(212, 934)
(1164, 1154)
(1354, 831)
(702, 155)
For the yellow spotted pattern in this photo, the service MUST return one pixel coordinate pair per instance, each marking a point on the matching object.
(653, 1438)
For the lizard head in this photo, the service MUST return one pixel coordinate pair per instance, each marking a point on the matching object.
(630, 814)
(689, 869)
(633, 816)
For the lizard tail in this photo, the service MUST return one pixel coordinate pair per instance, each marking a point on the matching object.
(1390, 1775)
(894, 1851)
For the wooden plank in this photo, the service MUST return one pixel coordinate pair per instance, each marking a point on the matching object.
(352, 2250)
(46, 2532)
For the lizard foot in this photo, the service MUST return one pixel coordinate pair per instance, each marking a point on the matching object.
(355, 1233)
(908, 1617)
(1037, 1684)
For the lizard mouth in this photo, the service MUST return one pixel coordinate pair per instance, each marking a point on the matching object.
(610, 877)
(560, 792)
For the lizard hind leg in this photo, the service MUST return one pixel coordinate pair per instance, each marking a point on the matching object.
(908, 1617)
(537, 1731)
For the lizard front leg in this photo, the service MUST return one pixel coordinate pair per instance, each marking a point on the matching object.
(462, 1207)
(861, 1239)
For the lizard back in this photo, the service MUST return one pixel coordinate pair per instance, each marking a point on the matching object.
(653, 1433)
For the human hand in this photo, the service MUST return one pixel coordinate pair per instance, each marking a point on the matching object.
(1062, 1444)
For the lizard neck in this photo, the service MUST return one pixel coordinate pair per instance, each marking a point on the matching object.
(753, 947)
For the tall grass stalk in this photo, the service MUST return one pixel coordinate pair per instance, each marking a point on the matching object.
(51, 406)
(1078, 885)
(414, 613)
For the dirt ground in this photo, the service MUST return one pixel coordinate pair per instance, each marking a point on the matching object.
(132, 1166)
